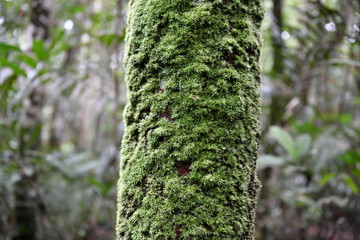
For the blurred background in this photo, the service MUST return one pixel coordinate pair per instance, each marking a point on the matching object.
(62, 94)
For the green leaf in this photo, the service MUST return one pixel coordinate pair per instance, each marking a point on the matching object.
(33, 135)
(285, 140)
(265, 161)
(351, 184)
(6, 87)
(326, 178)
(303, 146)
(58, 36)
(356, 172)
(308, 127)
(67, 91)
(17, 70)
(28, 60)
(345, 118)
(357, 101)
(109, 39)
(85, 167)
(94, 182)
(39, 50)
(77, 9)
(46, 80)
(104, 188)
(350, 157)
(42, 72)
(58, 166)
(8, 47)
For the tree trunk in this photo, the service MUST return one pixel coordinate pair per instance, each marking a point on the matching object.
(192, 121)
(278, 100)
(277, 41)
(25, 227)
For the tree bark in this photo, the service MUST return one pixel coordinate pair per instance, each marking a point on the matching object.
(188, 166)
(278, 100)
(25, 227)
(277, 41)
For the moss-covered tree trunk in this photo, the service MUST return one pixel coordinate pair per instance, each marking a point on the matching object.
(192, 122)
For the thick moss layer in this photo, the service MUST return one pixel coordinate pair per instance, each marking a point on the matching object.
(192, 122)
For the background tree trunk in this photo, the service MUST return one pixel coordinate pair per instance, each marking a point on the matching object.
(25, 227)
(277, 41)
(192, 122)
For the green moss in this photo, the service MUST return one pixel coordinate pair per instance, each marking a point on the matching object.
(192, 122)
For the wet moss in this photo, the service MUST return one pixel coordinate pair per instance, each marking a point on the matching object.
(189, 153)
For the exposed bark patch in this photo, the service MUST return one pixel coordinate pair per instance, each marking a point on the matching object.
(37, 97)
(142, 62)
(167, 114)
(214, 115)
(161, 87)
(30, 114)
(158, 141)
(40, 19)
(207, 227)
(183, 167)
(144, 113)
(135, 134)
(160, 90)
(143, 185)
(230, 58)
(228, 203)
(178, 233)
(176, 211)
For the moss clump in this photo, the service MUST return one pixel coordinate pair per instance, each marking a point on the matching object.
(192, 122)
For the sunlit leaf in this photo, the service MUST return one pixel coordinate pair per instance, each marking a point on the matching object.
(85, 167)
(285, 140)
(303, 145)
(265, 161)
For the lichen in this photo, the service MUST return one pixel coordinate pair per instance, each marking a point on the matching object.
(189, 152)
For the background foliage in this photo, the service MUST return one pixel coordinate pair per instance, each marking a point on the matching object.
(310, 156)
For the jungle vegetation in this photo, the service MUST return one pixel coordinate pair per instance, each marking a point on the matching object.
(63, 95)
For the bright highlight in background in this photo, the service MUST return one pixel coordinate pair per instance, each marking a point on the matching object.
(356, 27)
(285, 35)
(68, 25)
(330, 27)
